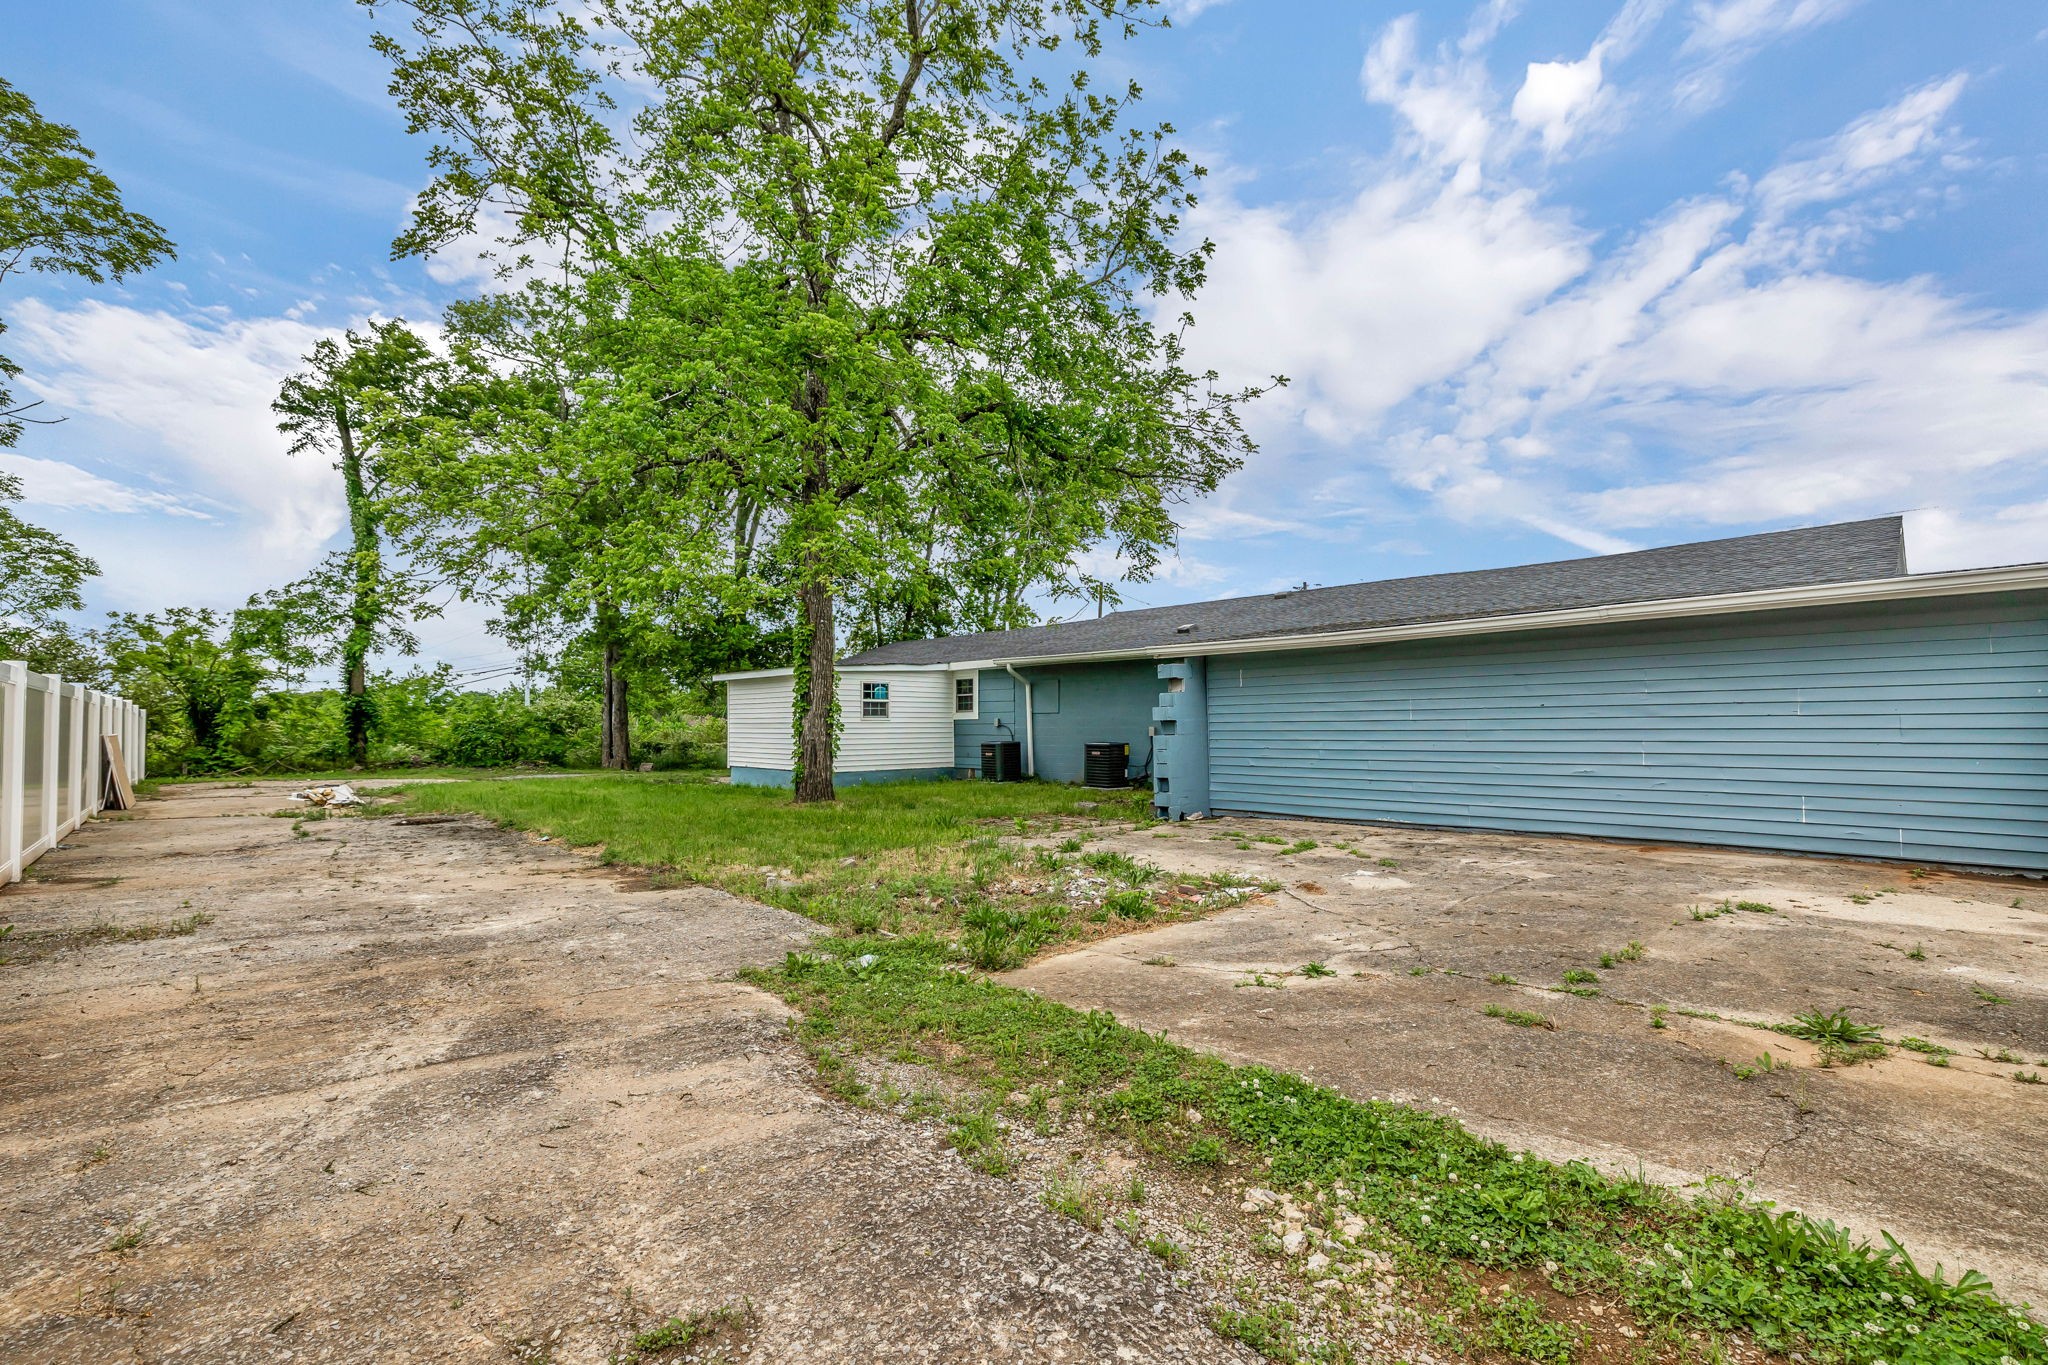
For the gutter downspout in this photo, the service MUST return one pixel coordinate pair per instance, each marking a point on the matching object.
(1030, 744)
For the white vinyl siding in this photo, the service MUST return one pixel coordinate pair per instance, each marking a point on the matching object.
(757, 733)
(917, 732)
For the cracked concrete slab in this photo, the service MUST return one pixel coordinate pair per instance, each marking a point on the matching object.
(1414, 923)
(447, 1093)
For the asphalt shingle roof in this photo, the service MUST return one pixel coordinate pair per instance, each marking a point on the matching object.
(1841, 553)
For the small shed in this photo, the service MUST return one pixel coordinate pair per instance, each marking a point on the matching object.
(896, 723)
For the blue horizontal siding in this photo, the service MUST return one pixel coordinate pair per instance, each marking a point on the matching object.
(1096, 703)
(1919, 731)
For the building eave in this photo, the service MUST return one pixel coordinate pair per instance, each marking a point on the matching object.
(845, 668)
(1960, 582)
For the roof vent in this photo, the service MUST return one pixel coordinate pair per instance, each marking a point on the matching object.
(1183, 630)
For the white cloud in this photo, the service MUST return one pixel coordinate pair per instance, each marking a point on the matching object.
(1445, 99)
(1453, 334)
(1745, 373)
(1555, 96)
(1718, 25)
(1871, 149)
(53, 483)
(196, 392)
(1940, 538)
(1723, 34)
(1559, 99)
(1362, 303)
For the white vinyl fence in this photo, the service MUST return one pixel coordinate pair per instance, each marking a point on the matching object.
(52, 774)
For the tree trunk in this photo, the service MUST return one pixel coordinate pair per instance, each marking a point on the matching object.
(814, 737)
(617, 743)
(366, 570)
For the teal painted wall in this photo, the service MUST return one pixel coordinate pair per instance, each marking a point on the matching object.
(1074, 705)
(1914, 730)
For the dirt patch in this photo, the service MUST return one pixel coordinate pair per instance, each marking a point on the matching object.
(413, 1093)
(1424, 931)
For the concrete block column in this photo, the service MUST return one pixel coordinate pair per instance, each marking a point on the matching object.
(1180, 748)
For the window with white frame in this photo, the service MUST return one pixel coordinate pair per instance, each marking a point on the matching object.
(963, 694)
(874, 700)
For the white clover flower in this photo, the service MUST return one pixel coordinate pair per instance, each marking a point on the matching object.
(1912, 1329)
(1885, 1295)
(1906, 1299)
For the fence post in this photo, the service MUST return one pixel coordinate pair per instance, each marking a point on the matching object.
(70, 726)
(53, 700)
(89, 780)
(13, 758)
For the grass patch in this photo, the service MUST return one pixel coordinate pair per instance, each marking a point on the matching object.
(1447, 1203)
(909, 857)
(699, 1331)
(40, 943)
(1454, 1212)
(706, 830)
(330, 776)
(1519, 1018)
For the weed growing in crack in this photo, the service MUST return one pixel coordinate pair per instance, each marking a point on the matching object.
(1170, 1252)
(1067, 1193)
(1834, 1027)
(978, 1137)
(696, 1330)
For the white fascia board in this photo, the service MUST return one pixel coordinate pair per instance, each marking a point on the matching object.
(844, 670)
(1960, 582)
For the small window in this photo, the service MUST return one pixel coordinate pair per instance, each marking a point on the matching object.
(963, 695)
(874, 700)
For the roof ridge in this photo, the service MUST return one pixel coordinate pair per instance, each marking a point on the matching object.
(1870, 548)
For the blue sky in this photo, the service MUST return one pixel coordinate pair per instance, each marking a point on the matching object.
(1549, 279)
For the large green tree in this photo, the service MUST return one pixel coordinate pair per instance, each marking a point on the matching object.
(61, 215)
(356, 397)
(40, 577)
(937, 263)
(195, 673)
(541, 489)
